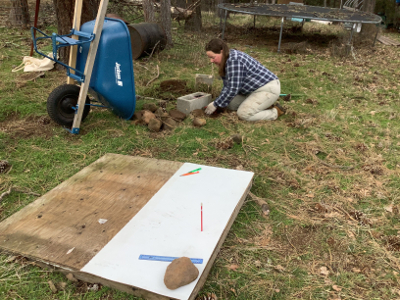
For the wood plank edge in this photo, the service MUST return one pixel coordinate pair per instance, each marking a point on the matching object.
(210, 263)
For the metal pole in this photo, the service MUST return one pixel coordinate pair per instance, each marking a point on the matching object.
(223, 29)
(351, 33)
(376, 35)
(280, 35)
(35, 23)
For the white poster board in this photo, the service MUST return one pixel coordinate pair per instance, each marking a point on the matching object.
(170, 225)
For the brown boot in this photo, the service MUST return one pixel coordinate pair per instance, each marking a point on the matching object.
(281, 111)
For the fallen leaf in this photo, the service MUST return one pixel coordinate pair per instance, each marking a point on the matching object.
(257, 263)
(389, 208)
(277, 290)
(324, 271)
(233, 267)
(279, 268)
(356, 270)
(52, 286)
(372, 112)
(336, 288)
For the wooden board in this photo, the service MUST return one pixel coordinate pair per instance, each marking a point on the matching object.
(114, 188)
(388, 41)
(148, 207)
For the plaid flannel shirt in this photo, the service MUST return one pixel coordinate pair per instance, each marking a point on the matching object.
(243, 76)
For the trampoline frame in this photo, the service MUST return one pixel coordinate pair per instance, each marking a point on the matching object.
(289, 11)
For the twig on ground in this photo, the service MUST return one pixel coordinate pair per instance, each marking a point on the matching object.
(5, 194)
(152, 51)
(158, 74)
(17, 190)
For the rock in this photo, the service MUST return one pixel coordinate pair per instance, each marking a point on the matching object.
(62, 285)
(147, 116)
(4, 166)
(150, 106)
(169, 123)
(137, 115)
(159, 112)
(265, 209)
(155, 125)
(198, 122)
(181, 271)
(198, 113)
(237, 138)
(71, 277)
(177, 115)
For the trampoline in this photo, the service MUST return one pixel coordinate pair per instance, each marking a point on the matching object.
(296, 11)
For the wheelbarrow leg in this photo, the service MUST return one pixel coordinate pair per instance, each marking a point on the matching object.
(98, 27)
(76, 24)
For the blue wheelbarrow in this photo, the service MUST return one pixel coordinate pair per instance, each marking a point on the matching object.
(111, 74)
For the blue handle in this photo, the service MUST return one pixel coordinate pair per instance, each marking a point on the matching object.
(63, 41)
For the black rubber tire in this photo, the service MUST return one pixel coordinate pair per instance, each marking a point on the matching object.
(60, 103)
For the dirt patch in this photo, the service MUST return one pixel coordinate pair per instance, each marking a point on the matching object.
(31, 126)
(171, 89)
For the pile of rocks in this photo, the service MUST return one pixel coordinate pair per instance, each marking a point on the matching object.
(157, 118)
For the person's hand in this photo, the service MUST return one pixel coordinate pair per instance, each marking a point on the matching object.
(211, 108)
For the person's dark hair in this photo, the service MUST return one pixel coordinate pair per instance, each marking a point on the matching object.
(216, 46)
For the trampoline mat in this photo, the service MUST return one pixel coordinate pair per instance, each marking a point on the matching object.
(303, 12)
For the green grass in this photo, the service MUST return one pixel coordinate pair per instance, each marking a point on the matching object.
(328, 169)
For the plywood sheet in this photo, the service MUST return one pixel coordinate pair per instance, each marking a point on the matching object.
(149, 209)
(66, 219)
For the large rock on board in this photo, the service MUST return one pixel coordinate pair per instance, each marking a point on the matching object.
(181, 271)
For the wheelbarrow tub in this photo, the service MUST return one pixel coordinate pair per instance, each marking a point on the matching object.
(112, 80)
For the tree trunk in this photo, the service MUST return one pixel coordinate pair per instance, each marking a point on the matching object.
(369, 6)
(219, 12)
(165, 12)
(19, 14)
(148, 10)
(194, 22)
(369, 30)
(65, 13)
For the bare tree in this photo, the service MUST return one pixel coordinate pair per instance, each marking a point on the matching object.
(19, 13)
(165, 12)
(65, 12)
(148, 10)
(194, 22)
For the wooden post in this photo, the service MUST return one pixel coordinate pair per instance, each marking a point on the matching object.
(76, 24)
(98, 27)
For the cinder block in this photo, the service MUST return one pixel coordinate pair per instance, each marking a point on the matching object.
(190, 102)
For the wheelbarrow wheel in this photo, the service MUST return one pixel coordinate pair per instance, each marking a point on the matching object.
(61, 103)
